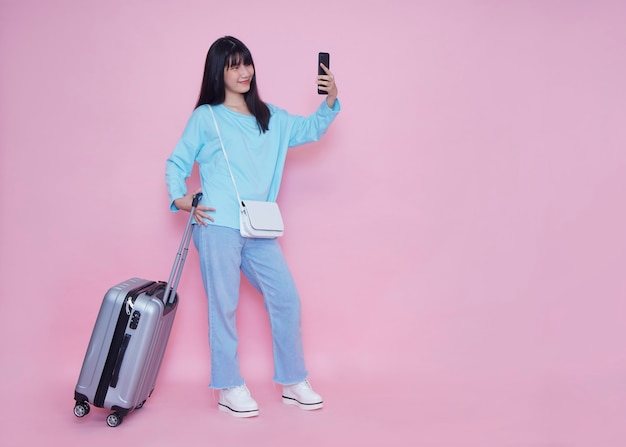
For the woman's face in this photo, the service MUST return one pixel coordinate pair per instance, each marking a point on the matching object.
(237, 78)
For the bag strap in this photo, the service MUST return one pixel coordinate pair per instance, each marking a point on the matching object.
(232, 177)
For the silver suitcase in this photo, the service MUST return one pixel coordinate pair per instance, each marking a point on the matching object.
(128, 341)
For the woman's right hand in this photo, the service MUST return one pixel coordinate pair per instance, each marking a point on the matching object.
(184, 203)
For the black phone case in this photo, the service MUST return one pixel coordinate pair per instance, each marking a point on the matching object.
(322, 58)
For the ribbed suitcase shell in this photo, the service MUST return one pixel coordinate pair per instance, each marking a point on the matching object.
(126, 347)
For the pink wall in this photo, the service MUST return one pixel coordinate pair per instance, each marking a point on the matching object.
(463, 218)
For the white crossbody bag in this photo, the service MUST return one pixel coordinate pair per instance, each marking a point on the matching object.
(256, 218)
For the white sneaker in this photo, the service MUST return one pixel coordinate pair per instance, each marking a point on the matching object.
(302, 395)
(238, 402)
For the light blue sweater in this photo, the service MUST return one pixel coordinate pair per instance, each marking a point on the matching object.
(256, 159)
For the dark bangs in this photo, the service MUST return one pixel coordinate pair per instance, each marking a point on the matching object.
(238, 56)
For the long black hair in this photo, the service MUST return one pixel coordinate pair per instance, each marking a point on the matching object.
(225, 53)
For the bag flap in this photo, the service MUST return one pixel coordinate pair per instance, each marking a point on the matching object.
(263, 215)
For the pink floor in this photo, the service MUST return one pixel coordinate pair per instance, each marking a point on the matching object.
(411, 412)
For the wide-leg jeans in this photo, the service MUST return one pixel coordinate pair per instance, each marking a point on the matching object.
(224, 253)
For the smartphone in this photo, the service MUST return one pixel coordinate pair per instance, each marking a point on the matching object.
(322, 58)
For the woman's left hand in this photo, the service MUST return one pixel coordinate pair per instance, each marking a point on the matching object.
(326, 83)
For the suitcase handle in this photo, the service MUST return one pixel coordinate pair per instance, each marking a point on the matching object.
(195, 200)
(179, 261)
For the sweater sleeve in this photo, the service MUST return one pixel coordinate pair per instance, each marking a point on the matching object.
(179, 165)
(313, 127)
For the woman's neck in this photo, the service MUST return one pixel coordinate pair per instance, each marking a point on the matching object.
(237, 103)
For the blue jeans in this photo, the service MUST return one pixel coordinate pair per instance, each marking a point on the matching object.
(223, 254)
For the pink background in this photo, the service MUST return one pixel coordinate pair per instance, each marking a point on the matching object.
(457, 237)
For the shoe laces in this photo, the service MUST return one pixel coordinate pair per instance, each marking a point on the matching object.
(238, 390)
(304, 385)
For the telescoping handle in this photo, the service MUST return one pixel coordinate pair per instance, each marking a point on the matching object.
(179, 262)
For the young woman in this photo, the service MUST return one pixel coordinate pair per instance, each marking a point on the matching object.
(256, 137)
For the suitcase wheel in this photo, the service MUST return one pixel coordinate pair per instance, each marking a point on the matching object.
(81, 409)
(114, 419)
